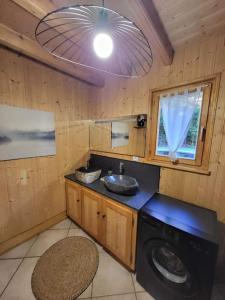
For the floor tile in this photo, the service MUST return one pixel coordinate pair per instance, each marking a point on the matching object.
(111, 278)
(45, 240)
(86, 294)
(65, 224)
(117, 297)
(144, 296)
(74, 226)
(20, 286)
(7, 269)
(19, 251)
(137, 286)
(80, 232)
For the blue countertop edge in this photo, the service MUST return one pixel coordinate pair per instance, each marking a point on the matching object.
(135, 202)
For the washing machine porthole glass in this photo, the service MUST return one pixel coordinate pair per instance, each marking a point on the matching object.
(169, 265)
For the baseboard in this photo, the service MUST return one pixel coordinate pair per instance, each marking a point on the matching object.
(24, 236)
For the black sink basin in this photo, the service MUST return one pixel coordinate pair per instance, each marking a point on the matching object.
(121, 184)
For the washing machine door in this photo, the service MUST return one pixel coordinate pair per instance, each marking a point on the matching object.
(171, 267)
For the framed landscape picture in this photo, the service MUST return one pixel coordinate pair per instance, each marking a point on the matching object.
(26, 133)
(120, 134)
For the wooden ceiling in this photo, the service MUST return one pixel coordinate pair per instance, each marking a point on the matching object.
(19, 18)
(167, 24)
(183, 20)
(142, 12)
(186, 20)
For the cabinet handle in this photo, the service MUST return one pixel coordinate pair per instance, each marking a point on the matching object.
(78, 200)
(103, 216)
(98, 213)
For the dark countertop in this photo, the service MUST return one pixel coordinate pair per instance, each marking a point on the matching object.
(135, 202)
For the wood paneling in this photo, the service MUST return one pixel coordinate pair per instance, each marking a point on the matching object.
(26, 235)
(38, 9)
(194, 19)
(132, 97)
(17, 31)
(143, 13)
(120, 98)
(183, 20)
(32, 190)
(21, 44)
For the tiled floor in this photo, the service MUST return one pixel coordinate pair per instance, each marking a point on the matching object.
(112, 281)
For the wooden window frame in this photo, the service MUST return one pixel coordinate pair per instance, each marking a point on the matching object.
(211, 86)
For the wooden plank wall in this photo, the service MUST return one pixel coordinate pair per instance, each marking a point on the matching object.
(126, 97)
(121, 97)
(32, 190)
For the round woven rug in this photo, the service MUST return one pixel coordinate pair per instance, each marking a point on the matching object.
(65, 270)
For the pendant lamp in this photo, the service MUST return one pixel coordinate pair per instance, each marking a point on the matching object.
(96, 37)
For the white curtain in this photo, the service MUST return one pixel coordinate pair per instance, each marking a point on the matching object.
(177, 112)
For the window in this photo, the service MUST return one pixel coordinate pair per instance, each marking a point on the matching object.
(178, 124)
(181, 123)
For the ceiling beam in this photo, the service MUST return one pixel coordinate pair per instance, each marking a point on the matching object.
(22, 44)
(154, 29)
(146, 16)
(36, 8)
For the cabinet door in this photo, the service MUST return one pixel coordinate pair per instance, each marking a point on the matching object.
(91, 213)
(118, 223)
(73, 195)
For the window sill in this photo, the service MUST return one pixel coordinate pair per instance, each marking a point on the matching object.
(180, 167)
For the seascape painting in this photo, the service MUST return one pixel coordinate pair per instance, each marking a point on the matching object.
(120, 134)
(26, 133)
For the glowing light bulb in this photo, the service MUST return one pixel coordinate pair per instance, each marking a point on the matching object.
(103, 45)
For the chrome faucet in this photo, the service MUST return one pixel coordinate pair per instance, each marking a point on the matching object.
(87, 164)
(122, 169)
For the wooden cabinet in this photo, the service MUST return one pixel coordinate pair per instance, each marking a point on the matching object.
(91, 213)
(111, 224)
(73, 197)
(117, 238)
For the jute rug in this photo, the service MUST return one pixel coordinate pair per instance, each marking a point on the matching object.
(65, 270)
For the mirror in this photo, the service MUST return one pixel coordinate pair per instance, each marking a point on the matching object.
(125, 135)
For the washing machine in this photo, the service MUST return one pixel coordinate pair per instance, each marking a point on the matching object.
(176, 249)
